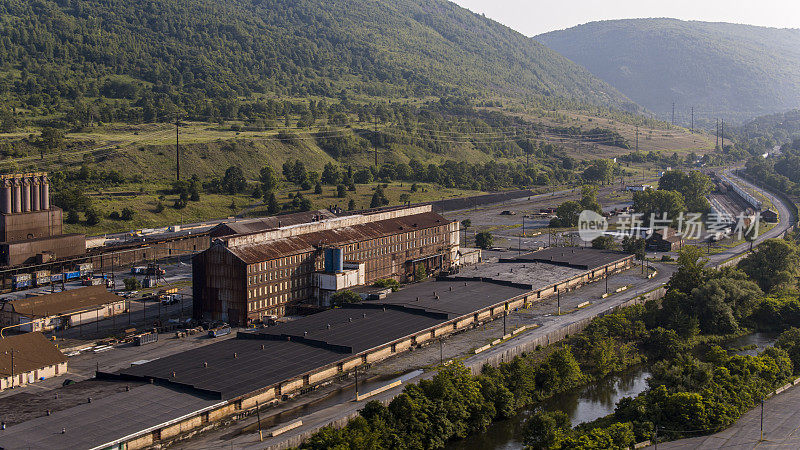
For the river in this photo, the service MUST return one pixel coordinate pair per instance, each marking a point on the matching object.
(593, 401)
(758, 341)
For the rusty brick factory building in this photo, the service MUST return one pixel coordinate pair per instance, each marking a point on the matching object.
(30, 227)
(252, 276)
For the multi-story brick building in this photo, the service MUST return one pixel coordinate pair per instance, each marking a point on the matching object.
(246, 277)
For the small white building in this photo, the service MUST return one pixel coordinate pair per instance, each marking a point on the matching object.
(328, 283)
(468, 256)
(27, 358)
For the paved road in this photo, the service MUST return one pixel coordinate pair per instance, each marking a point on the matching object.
(787, 219)
(781, 424)
(543, 314)
(324, 416)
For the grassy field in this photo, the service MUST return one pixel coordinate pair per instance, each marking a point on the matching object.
(144, 198)
(673, 140)
(146, 152)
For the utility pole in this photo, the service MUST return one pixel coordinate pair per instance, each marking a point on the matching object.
(258, 416)
(717, 144)
(375, 139)
(356, 383)
(673, 113)
(12, 366)
(692, 119)
(637, 138)
(177, 150)
(722, 134)
(558, 297)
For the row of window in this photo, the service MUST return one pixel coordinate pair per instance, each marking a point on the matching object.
(278, 299)
(288, 261)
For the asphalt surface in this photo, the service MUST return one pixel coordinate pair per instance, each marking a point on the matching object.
(335, 401)
(781, 424)
(543, 314)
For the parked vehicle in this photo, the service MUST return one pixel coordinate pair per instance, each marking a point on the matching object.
(219, 331)
(72, 275)
(21, 280)
(41, 277)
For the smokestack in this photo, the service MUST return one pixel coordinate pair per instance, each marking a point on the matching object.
(17, 196)
(5, 202)
(26, 194)
(45, 193)
(36, 194)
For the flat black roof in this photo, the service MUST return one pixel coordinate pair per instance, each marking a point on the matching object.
(354, 329)
(104, 420)
(235, 366)
(274, 354)
(456, 298)
(577, 257)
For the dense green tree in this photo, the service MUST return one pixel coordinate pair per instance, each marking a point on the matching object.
(233, 182)
(484, 240)
(635, 245)
(544, 429)
(344, 297)
(599, 171)
(330, 174)
(272, 203)
(604, 243)
(772, 265)
(694, 186)
(268, 179)
(656, 203)
(378, 198)
(567, 214)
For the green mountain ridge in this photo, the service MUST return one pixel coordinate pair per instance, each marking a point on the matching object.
(724, 70)
(188, 54)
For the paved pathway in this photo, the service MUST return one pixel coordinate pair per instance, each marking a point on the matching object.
(781, 424)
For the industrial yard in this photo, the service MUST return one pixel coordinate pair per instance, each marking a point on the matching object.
(333, 343)
(202, 368)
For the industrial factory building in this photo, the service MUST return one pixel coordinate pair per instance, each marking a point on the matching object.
(251, 276)
(27, 358)
(61, 309)
(30, 227)
(193, 390)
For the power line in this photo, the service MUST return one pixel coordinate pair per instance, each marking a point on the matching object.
(673, 113)
(177, 150)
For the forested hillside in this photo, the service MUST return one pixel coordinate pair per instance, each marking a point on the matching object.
(142, 60)
(722, 69)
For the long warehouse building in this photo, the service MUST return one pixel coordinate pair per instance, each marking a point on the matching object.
(195, 389)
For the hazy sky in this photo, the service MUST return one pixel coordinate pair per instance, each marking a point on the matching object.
(532, 17)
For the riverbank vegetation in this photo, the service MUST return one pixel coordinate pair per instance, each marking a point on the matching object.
(696, 387)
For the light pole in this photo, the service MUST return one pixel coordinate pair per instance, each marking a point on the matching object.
(558, 299)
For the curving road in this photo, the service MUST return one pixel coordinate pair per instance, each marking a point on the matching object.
(314, 419)
(781, 412)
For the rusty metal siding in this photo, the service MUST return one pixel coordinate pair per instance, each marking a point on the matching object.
(218, 285)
